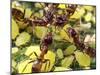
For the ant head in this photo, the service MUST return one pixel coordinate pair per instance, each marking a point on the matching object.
(18, 14)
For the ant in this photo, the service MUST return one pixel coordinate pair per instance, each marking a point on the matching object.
(72, 33)
(37, 64)
(49, 11)
(50, 16)
(19, 16)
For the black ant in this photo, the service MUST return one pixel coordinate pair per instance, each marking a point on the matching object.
(72, 32)
(37, 64)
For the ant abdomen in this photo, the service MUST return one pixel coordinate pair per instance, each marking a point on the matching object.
(36, 67)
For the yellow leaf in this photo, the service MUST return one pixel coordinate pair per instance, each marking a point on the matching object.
(14, 50)
(88, 8)
(67, 61)
(38, 5)
(60, 54)
(88, 16)
(93, 19)
(78, 13)
(82, 58)
(40, 31)
(61, 6)
(64, 35)
(51, 56)
(30, 51)
(61, 69)
(70, 50)
(13, 64)
(25, 67)
(22, 39)
(17, 5)
(15, 29)
(28, 12)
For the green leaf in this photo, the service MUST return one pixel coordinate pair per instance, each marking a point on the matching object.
(67, 61)
(82, 58)
(22, 39)
(60, 54)
(70, 50)
(15, 29)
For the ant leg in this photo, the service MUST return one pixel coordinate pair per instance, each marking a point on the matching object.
(24, 13)
(34, 53)
(30, 61)
(27, 65)
(45, 61)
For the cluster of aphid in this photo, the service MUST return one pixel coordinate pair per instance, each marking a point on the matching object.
(51, 18)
